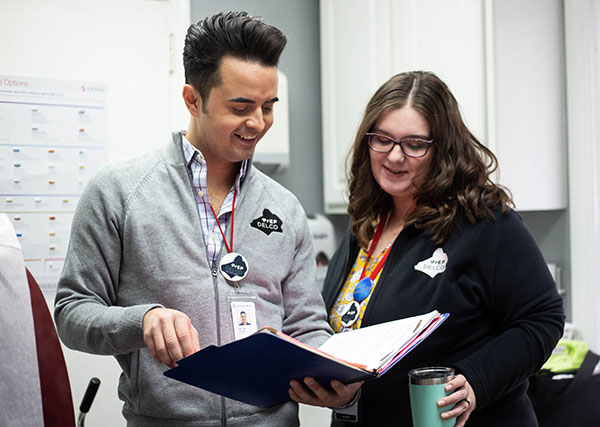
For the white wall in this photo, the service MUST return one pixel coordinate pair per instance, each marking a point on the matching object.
(123, 43)
(127, 44)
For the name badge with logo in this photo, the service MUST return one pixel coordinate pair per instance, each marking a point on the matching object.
(233, 267)
(267, 223)
(434, 265)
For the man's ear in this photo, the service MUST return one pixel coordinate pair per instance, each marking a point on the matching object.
(192, 99)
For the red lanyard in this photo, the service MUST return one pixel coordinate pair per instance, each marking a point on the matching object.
(379, 265)
(219, 224)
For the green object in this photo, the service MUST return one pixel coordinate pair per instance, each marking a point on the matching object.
(568, 355)
(426, 388)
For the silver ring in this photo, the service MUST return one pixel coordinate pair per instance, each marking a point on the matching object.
(468, 402)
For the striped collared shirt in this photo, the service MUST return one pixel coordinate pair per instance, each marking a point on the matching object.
(210, 227)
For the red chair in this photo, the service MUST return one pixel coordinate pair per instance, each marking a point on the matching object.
(57, 401)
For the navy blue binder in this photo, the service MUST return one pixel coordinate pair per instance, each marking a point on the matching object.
(258, 369)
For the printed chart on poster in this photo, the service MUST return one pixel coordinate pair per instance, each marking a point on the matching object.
(53, 137)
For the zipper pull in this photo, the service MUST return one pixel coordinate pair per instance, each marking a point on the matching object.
(214, 271)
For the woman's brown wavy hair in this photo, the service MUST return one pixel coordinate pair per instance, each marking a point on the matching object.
(459, 175)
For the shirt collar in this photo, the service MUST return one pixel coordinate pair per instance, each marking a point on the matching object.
(191, 154)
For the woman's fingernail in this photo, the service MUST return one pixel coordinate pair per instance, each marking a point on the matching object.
(441, 402)
(448, 387)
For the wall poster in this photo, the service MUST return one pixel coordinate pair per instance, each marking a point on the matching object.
(53, 137)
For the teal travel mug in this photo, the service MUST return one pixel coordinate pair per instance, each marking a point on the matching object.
(426, 387)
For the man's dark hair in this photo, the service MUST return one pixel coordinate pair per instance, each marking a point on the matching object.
(235, 34)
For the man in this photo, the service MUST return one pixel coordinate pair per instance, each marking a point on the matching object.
(166, 248)
(244, 319)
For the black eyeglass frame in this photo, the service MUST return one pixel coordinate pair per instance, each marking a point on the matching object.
(401, 143)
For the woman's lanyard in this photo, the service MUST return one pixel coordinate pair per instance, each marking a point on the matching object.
(233, 266)
(365, 284)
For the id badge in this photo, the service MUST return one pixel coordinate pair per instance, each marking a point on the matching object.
(243, 314)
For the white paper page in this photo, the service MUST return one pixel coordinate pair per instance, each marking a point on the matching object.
(370, 345)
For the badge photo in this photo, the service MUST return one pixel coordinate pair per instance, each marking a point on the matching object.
(243, 314)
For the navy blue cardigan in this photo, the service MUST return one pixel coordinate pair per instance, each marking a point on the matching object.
(506, 315)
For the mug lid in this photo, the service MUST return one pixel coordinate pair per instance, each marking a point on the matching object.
(431, 375)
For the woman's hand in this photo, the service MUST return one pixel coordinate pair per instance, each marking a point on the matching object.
(316, 395)
(463, 397)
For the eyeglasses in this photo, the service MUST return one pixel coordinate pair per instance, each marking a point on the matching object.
(412, 147)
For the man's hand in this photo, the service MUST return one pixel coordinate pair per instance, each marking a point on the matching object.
(316, 395)
(169, 335)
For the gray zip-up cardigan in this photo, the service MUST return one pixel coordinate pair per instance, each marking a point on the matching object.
(137, 243)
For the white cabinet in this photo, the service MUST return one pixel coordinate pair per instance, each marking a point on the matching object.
(364, 43)
(529, 87)
(355, 60)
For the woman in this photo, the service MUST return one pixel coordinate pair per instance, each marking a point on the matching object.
(436, 233)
